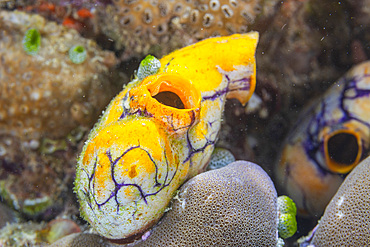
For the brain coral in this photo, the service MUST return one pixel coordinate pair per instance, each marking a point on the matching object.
(44, 98)
(232, 206)
(346, 221)
(141, 25)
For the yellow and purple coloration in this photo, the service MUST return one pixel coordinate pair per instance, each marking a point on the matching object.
(159, 131)
(331, 137)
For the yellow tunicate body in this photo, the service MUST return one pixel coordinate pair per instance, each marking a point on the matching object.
(160, 131)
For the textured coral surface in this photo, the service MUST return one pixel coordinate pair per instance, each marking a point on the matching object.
(231, 206)
(162, 26)
(346, 218)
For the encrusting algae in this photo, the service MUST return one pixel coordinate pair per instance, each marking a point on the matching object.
(160, 131)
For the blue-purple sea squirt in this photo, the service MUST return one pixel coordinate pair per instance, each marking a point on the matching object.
(160, 131)
(330, 138)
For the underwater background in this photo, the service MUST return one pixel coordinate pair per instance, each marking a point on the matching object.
(307, 124)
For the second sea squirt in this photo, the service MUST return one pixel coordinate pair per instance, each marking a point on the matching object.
(329, 140)
(160, 131)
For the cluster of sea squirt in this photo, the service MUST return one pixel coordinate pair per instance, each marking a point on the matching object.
(56, 83)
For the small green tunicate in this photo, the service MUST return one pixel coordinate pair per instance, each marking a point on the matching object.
(31, 41)
(49, 146)
(77, 54)
(287, 225)
(148, 66)
(36, 206)
(286, 205)
(220, 157)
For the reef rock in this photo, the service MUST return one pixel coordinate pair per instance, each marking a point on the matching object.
(46, 103)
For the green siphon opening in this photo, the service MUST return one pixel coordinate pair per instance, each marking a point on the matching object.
(31, 41)
(77, 54)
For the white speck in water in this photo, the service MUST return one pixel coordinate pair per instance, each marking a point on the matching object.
(34, 144)
(2, 150)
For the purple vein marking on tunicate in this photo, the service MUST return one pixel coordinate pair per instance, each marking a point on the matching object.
(138, 112)
(113, 193)
(351, 83)
(156, 168)
(141, 112)
(168, 64)
(169, 182)
(92, 179)
(193, 151)
(226, 90)
(92, 186)
(312, 144)
(125, 111)
(88, 192)
(170, 120)
(118, 186)
(163, 185)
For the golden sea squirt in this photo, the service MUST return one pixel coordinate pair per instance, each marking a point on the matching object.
(160, 131)
(330, 138)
